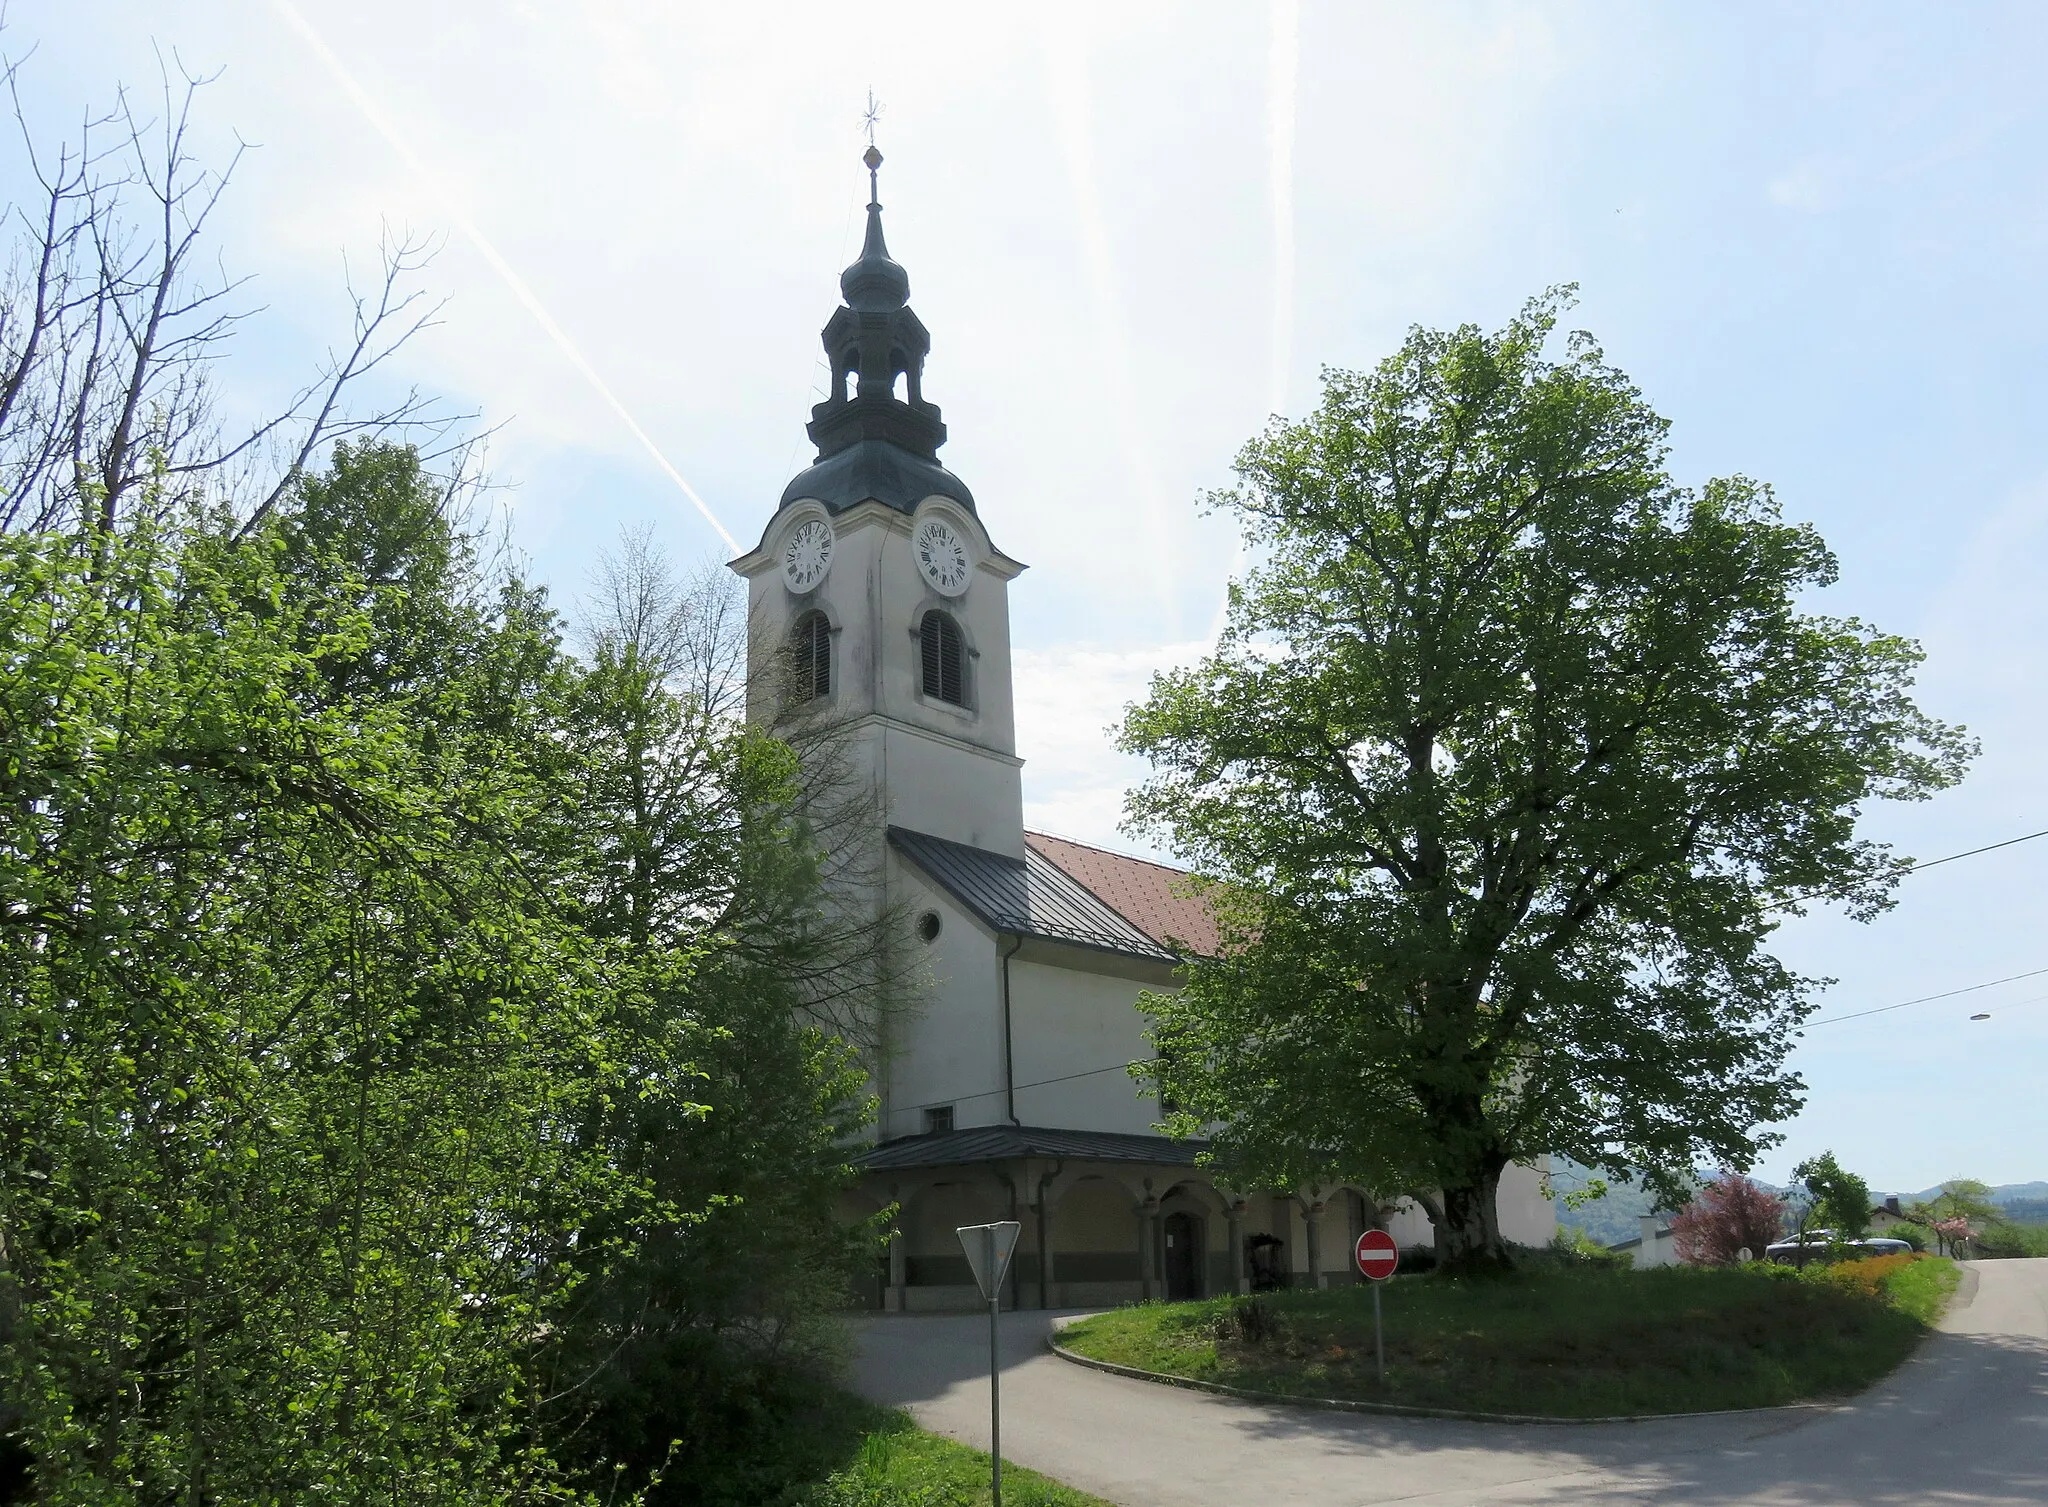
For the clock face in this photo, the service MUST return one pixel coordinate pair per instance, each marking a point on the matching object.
(807, 554)
(941, 557)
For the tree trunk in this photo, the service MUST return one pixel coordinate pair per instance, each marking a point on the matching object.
(1468, 1240)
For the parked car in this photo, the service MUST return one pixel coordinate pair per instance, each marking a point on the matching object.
(1821, 1245)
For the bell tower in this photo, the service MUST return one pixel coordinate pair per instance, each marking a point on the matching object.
(876, 582)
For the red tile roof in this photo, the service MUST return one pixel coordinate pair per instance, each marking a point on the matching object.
(1152, 896)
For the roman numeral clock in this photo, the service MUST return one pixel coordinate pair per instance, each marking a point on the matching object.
(807, 554)
(942, 557)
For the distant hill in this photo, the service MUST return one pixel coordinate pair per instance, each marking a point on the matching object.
(1611, 1219)
(2023, 1203)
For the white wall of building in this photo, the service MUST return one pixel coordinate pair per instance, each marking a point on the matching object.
(1067, 1022)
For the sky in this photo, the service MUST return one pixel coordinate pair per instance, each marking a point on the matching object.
(1813, 234)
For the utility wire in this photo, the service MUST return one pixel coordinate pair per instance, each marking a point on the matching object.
(1928, 998)
(1973, 852)
(1121, 1067)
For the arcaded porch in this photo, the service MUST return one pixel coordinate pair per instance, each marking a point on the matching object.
(1106, 1219)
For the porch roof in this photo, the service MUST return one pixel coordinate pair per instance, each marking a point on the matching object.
(1004, 1143)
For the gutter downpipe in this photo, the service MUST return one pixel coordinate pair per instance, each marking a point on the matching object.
(1009, 1050)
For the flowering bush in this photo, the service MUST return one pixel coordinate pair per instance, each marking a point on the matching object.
(1730, 1214)
(1866, 1276)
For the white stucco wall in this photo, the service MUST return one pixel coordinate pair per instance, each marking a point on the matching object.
(1066, 1022)
(947, 1048)
(1527, 1216)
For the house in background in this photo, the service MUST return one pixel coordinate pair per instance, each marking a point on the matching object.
(1653, 1245)
(1008, 1095)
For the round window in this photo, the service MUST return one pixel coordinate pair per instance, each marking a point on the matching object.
(928, 926)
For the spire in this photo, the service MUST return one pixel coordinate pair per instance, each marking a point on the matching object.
(876, 435)
(875, 284)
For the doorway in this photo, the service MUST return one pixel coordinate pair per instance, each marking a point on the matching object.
(1184, 1249)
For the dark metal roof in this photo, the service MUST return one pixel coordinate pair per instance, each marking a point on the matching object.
(1029, 896)
(1002, 1143)
(873, 443)
(876, 469)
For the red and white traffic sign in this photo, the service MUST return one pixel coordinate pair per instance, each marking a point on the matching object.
(1376, 1255)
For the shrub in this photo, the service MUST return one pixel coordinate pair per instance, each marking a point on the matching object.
(1570, 1249)
(2002, 1240)
(1416, 1258)
(1865, 1276)
(1914, 1235)
(1729, 1214)
(1249, 1321)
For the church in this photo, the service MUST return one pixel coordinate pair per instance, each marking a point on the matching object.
(1006, 1094)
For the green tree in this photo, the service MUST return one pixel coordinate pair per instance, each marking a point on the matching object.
(291, 1056)
(1961, 1198)
(1834, 1198)
(698, 855)
(1960, 1208)
(1512, 754)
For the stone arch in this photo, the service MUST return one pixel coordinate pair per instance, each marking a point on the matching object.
(1095, 1227)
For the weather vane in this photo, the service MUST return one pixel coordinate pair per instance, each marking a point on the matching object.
(872, 114)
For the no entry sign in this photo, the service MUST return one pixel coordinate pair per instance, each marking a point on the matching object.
(1376, 1255)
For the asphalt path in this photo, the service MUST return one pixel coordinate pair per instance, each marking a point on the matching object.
(1964, 1422)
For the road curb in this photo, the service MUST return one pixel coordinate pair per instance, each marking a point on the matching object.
(1400, 1410)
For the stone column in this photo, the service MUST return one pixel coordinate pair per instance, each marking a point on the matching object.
(1312, 1216)
(1148, 1241)
(1044, 1250)
(1234, 1216)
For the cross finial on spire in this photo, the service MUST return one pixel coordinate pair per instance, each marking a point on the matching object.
(872, 157)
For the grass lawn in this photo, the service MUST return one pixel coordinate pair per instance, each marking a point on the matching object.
(1572, 1344)
(899, 1465)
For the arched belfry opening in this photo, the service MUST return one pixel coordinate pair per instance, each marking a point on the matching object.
(943, 657)
(810, 657)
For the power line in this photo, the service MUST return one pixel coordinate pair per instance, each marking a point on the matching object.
(1973, 852)
(1929, 998)
(1120, 1067)
(997, 1093)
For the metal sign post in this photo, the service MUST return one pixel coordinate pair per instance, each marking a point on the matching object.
(989, 1248)
(1377, 1257)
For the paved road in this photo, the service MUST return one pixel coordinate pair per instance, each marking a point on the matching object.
(1965, 1422)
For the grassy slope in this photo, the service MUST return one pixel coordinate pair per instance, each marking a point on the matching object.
(899, 1465)
(1567, 1344)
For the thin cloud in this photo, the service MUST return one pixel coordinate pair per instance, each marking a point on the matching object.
(386, 128)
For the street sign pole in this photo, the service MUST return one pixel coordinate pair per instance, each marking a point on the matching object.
(1377, 1257)
(995, 1406)
(989, 1248)
(1379, 1338)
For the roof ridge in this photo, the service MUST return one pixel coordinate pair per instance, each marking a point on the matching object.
(1093, 847)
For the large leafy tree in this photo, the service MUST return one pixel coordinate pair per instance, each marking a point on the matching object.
(290, 1055)
(1512, 754)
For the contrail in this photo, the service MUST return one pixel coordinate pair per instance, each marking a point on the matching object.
(1064, 40)
(1282, 66)
(503, 268)
(1280, 107)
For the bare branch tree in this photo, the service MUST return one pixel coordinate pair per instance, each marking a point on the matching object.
(842, 948)
(111, 321)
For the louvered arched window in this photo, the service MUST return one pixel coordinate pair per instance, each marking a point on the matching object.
(810, 652)
(944, 655)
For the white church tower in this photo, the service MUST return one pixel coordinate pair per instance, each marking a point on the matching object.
(1008, 1094)
(878, 572)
